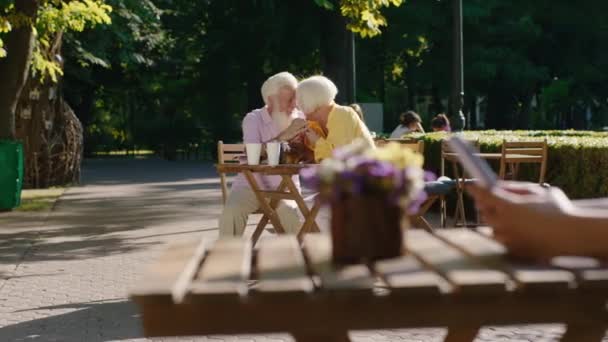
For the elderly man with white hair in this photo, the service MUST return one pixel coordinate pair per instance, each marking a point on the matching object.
(277, 120)
(339, 125)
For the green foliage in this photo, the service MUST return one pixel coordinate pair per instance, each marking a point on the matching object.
(177, 72)
(577, 160)
(57, 17)
(365, 16)
(513, 52)
(326, 4)
(5, 27)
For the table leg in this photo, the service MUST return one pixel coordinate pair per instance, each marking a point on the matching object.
(264, 220)
(515, 171)
(459, 213)
(309, 221)
(318, 337)
(576, 332)
(264, 205)
(421, 222)
(300, 202)
(461, 334)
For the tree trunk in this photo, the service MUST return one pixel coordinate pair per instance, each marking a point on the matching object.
(51, 132)
(52, 136)
(14, 68)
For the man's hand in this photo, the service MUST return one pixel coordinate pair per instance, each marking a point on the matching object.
(312, 136)
(528, 219)
(296, 127)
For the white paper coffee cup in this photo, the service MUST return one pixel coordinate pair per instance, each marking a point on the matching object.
(273, 149)
(253, 153)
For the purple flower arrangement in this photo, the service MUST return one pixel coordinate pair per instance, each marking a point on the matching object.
(391, 172)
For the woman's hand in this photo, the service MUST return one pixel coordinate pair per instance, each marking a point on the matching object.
(296, 127)
(531, 221)
(312, 136)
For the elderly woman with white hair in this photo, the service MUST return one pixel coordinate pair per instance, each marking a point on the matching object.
(339, 125)
(277, 120)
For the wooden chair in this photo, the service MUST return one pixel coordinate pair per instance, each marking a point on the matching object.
(460, 177)
(517, 153)
(232, 154)
(228, 154)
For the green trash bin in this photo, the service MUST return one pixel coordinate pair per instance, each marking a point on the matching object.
(11, 174)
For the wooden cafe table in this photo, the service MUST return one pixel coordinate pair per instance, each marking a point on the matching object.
(269, 199)
(455, 278)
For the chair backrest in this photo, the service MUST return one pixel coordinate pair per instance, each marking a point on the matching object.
(445, 147)
(228, 154)
(535, 152)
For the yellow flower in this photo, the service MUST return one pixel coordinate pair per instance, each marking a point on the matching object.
(397, 155)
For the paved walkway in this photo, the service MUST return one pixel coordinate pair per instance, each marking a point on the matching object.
(65, 276)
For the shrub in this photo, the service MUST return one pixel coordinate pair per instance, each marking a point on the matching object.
(577, 160)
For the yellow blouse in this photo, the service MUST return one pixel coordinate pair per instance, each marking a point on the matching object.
(343, 127)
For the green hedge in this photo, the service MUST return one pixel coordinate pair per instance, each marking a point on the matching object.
(577, 161)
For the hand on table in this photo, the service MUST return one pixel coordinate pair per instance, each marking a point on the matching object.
(528, 219)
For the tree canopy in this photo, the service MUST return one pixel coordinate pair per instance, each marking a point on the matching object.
(170, 74)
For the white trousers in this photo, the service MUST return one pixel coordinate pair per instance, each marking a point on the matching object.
(242, 202)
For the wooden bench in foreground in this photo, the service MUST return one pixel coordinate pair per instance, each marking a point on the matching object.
(458, 279)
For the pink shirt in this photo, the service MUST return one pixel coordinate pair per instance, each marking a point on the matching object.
(258, 127)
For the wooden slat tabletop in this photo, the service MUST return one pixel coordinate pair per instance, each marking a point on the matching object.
(465, 273)
(492, 254)
(352, 277)
(226, 269)
(281, 266)
(441, 275)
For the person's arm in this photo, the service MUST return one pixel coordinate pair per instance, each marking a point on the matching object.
(397, 133)
(591, 227)
(598, 203)
(419, 128)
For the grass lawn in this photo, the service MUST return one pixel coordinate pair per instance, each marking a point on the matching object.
(39, 199)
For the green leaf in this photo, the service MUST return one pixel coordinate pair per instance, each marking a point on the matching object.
(326, 4)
